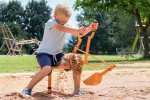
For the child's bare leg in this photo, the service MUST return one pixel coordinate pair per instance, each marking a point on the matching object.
(74, 63)
(39, 76)
(76, 78)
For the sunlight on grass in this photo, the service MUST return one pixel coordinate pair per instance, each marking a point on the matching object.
(17, 63)
(27, 63)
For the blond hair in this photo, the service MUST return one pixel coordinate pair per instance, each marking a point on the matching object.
(64, 9)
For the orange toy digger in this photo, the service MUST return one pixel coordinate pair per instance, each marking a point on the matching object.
(96, 78)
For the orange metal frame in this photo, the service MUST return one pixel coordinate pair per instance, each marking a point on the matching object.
(85, 58)
(76, 48)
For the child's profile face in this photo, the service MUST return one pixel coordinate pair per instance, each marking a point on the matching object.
(62, 19)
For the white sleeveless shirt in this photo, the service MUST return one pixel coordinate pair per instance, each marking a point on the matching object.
(53, 40)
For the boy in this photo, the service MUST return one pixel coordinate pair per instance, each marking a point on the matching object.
(50, 53)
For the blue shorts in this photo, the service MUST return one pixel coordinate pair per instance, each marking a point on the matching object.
(45, 59)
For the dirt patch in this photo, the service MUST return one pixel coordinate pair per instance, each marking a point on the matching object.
(121, 84)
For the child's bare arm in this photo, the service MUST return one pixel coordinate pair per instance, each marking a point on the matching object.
(73, 31)
(76, 32)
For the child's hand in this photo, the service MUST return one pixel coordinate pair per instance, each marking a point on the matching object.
(82, 31)
(85, 30)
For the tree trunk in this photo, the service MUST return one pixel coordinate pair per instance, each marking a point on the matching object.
(146, 46)
(143, 30)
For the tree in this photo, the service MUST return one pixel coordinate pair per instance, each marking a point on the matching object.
(70, 45)
(139, 8)
(125, 37)
(11, 12)
(12, 15)
(3, 6)
(35, 15)
(103, 41)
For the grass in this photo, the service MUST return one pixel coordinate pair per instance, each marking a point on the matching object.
(27, 63)
(116, 59)
(17, 64)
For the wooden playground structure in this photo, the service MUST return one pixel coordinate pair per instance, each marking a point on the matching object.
(13, 45)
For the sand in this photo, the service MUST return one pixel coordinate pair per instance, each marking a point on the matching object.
(118, 84)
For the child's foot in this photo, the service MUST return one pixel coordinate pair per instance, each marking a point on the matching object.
(26, 92)
(79, 92)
